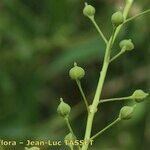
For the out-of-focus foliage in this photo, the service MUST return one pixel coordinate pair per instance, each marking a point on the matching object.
(39, 41)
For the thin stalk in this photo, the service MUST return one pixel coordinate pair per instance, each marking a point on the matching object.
(113, 34)
(112, 39)
(83, 95)
(117, 55)
(71, 130)
(136, 16)
(115, 99)
(106, 128)
(69, 126)
(103, 73)
(98, 29)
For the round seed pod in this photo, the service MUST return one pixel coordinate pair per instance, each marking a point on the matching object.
(76, 73)
(63, 109)
(126, 112)
(117, 18)
(89, 10)
(127, 44)
(139, 95)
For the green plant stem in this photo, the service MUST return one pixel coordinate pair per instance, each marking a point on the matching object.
(69, 126)
(136, 16)
(98, 29)
(107, 127)
(95, 103)
(71, 147)
(70, 129)
(115, 99)
(111, 40)
(97, 96)
(83, 95)
(117, 55)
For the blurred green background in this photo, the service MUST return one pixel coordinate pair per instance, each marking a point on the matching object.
(39, 41)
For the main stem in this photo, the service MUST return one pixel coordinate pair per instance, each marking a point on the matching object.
(97, 96)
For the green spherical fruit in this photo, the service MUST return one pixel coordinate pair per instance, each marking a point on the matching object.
(63, 109)
(126, 44)
(139, 95)
(89, 10)
(76, 73)
(117, 18)
(126, 112)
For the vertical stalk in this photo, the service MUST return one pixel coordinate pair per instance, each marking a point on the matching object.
(97, 96)
(95, 103)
